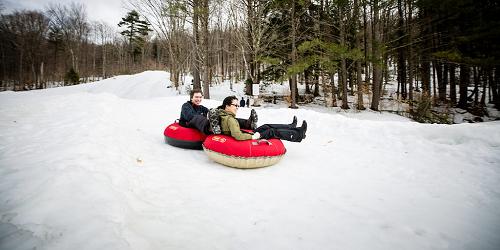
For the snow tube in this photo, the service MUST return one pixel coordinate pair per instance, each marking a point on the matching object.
(228, 151)
(179, 136)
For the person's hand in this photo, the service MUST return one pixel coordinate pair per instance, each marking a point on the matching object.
(256, 136)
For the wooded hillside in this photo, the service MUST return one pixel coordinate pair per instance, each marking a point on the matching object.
(441, 52)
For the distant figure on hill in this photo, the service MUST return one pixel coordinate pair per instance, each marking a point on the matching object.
(242, 102)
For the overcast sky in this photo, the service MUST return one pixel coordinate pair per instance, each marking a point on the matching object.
(110, 11)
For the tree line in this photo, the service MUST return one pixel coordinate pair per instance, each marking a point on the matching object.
(441, 52)
(59, 44)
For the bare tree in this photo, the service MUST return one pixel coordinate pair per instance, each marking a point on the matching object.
(168, 19)
(377, 56)
(254, 35)
(28, 33)
(104, 34)
(204, 17)
(72, 23)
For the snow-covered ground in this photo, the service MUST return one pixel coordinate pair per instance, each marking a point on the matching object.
(86, 167)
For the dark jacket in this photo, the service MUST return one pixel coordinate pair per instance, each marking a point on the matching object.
(189, 110)
(230, 126)
(242, 102)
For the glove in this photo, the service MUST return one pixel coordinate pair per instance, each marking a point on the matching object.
(256, 136)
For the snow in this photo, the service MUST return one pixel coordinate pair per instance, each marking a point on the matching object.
(86, 167)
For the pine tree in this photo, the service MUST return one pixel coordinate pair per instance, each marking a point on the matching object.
(72, 77)
(136, 30)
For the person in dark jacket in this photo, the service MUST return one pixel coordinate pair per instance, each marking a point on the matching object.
(230, 126)
(242, 102)
(194, 115)
(248, 102)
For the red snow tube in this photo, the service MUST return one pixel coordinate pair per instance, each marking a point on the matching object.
(243, 154)
(183, 137)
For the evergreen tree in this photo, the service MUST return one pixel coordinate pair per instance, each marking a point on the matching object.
(136, 30)
(72, 77)
(464, 34)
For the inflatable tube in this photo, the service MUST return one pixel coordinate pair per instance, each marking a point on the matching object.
(243, 154)
(183, 137)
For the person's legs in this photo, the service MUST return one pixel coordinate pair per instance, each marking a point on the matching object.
(200, 123)
(288, 134)
(291, 125)
(244, 123)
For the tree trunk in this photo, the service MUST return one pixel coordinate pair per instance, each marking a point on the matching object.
(482, 77)
(401, 52)
(307, 81)
(434, 80)
(221, 55)
(103, 60)
(343, 68)
(196, 50)
(35, 76)
(293, 82)
(464, 82)
(20, 83)
(453, 85)
(410, 54)
(494, 86)
(73, 63)
(42, 79)
(377, 67)
(366, 45)
(496, 83)
(441, 81)
(316, 84)
(426, 75)
(476, 85)
(359, 80)
(94, 71)
(250, 53)
(334, 90)
(446, 70)
(206, 59)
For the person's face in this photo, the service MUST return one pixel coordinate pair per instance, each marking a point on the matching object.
(233, 108)
(197, 97)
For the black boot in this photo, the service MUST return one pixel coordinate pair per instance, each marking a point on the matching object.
(294, 122)
(293, 135)
(303, 129)
(251, 123)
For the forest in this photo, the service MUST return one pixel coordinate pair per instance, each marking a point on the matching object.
(441, 53)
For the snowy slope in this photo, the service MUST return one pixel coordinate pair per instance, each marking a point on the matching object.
(86, 167)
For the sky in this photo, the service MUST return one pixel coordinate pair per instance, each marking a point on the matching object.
(110, 11)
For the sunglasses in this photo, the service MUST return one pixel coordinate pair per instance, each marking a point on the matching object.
(236, 105)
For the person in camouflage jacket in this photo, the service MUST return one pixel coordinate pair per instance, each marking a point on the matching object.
(230, 126)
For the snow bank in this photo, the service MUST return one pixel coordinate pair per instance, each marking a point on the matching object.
(86, 167)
